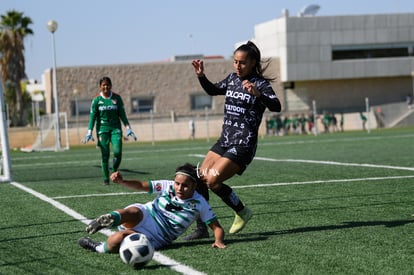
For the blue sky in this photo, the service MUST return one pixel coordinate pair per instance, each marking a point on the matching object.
(102, 32)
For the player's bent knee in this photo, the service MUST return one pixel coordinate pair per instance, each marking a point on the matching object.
(115, 240)
(214, 186)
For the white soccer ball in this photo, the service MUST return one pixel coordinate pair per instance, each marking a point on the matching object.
(136, 250)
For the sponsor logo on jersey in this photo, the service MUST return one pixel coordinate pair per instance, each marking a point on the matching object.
(108, 108)
(233, 151)
(172, 207)
(158, 187)
(239, 95)
(192, 204)
(237, 109)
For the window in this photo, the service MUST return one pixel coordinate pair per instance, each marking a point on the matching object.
(372, 51)
(201, 102)
(142, 104)
(84, 107)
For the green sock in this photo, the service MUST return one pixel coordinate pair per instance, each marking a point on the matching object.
(117, 218)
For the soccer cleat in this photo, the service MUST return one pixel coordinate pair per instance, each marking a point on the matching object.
(240, 220)
(88, 243)
(97, 224)
(106, 182)
(198, 233)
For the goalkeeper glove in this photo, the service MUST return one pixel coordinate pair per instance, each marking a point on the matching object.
(131, 134)
(88, 137)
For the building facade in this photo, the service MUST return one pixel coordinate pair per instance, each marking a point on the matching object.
(159, 90)
(338, 61)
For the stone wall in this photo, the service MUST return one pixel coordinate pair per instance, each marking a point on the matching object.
(171, 84)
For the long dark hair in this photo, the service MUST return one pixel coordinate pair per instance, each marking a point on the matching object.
(190, 171)
(253, 52)
(105, 78)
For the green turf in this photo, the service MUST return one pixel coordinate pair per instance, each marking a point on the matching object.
(330, 204)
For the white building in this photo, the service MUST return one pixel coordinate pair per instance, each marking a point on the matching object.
(338, 61)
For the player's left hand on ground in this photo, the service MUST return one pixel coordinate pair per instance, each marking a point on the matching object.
(130, 133)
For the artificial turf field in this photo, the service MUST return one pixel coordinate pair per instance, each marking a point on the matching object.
(338, 203)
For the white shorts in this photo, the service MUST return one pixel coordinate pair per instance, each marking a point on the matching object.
(149, 227)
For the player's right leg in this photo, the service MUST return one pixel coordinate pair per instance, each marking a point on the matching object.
(104, 221)
(129, 217)
(103, 143)
(110, 246)
(116, 141)
(224, 168)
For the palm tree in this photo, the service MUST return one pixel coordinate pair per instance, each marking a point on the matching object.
(14, 27)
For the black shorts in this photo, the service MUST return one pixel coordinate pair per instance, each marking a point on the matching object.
(242, 156)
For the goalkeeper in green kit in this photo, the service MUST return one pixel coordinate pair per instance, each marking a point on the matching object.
(107, 111)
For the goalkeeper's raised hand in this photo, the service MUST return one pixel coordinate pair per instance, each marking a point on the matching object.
(130, 133)
(88, 137)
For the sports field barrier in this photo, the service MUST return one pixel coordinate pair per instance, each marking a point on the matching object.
(162, 130)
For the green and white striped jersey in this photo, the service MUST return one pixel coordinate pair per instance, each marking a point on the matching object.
(173, 215)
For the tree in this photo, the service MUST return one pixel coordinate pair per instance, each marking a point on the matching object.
(14, 27)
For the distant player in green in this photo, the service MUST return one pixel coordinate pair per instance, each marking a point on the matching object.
(107, 112)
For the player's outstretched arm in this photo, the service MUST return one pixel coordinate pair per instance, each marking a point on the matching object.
(218, 235)
(132, 184)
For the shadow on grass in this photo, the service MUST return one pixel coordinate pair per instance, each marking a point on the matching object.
(51, 223)
(345, 225)
(261, 236)
(127, 171)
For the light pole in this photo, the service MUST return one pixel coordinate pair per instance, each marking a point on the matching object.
(52, 27)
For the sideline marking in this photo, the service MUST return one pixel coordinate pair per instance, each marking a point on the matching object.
(321, 181)
(162, 259)
(256, 185)
(338, 163)
(327, 162)
(285, 183)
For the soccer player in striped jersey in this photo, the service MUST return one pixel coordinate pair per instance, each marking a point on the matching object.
(162, 220)
(107, 111)
(247, 95)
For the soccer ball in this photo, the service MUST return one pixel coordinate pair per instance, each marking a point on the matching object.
(136, 250)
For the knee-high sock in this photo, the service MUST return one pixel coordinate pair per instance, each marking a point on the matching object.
(229, 197)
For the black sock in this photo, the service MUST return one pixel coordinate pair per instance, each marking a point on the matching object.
(229, 197)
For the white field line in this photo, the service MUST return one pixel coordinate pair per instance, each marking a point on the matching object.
(322, 181)
(285, 183)
(186, 269)
(162, 259)
(254, 185)
(338, 163)
(328, 163)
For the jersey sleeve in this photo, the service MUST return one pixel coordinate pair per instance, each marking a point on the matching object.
(210, 88)
(159, 186)
(207, 214)
(268, 96)
(93, 114)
